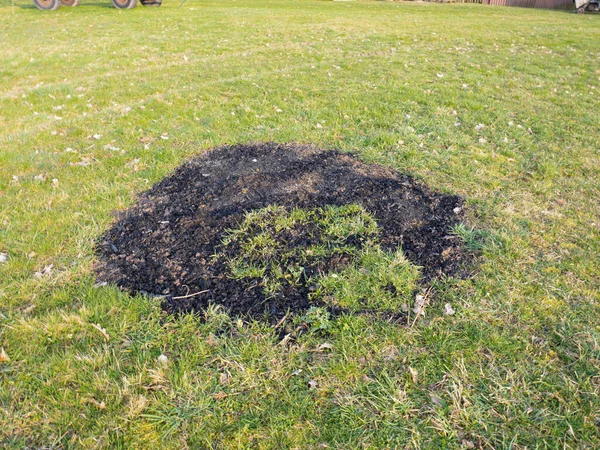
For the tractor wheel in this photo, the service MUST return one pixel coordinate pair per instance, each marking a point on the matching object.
(70, 2)
(47, 5)
(125, 4)
(581, 10)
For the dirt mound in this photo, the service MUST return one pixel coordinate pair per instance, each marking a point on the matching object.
(226, 226)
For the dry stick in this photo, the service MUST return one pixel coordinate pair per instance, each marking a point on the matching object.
(281, 321)
(190, 295)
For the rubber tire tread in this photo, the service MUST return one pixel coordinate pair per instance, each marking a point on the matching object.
(54, 7)
(130, 5)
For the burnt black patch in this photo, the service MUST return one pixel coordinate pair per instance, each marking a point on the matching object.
(166, 243)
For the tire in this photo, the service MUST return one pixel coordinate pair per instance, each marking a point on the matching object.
(70, 2)
(47, 5)
(124, 4)
(581, 10)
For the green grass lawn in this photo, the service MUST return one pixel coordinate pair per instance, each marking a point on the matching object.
(499, 105)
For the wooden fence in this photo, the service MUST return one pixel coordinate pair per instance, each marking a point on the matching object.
(546, 4)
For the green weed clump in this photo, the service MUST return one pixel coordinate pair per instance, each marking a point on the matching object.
(375, 280)
(331, 253)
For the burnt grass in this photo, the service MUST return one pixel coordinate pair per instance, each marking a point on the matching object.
(168, 242)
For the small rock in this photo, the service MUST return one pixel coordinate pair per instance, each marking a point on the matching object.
(163, 360)
(3, 257)
(45, 271)
(448, 310)
(419, 307)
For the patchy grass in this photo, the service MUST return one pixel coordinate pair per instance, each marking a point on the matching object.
(376, 280)
(333, 252)
(496, 104)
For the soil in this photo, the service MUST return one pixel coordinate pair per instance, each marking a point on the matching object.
(165, 244)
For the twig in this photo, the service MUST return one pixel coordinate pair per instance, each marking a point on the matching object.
(281, 321)
(190, 295)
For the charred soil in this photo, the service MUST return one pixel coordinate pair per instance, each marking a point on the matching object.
(172, 242)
